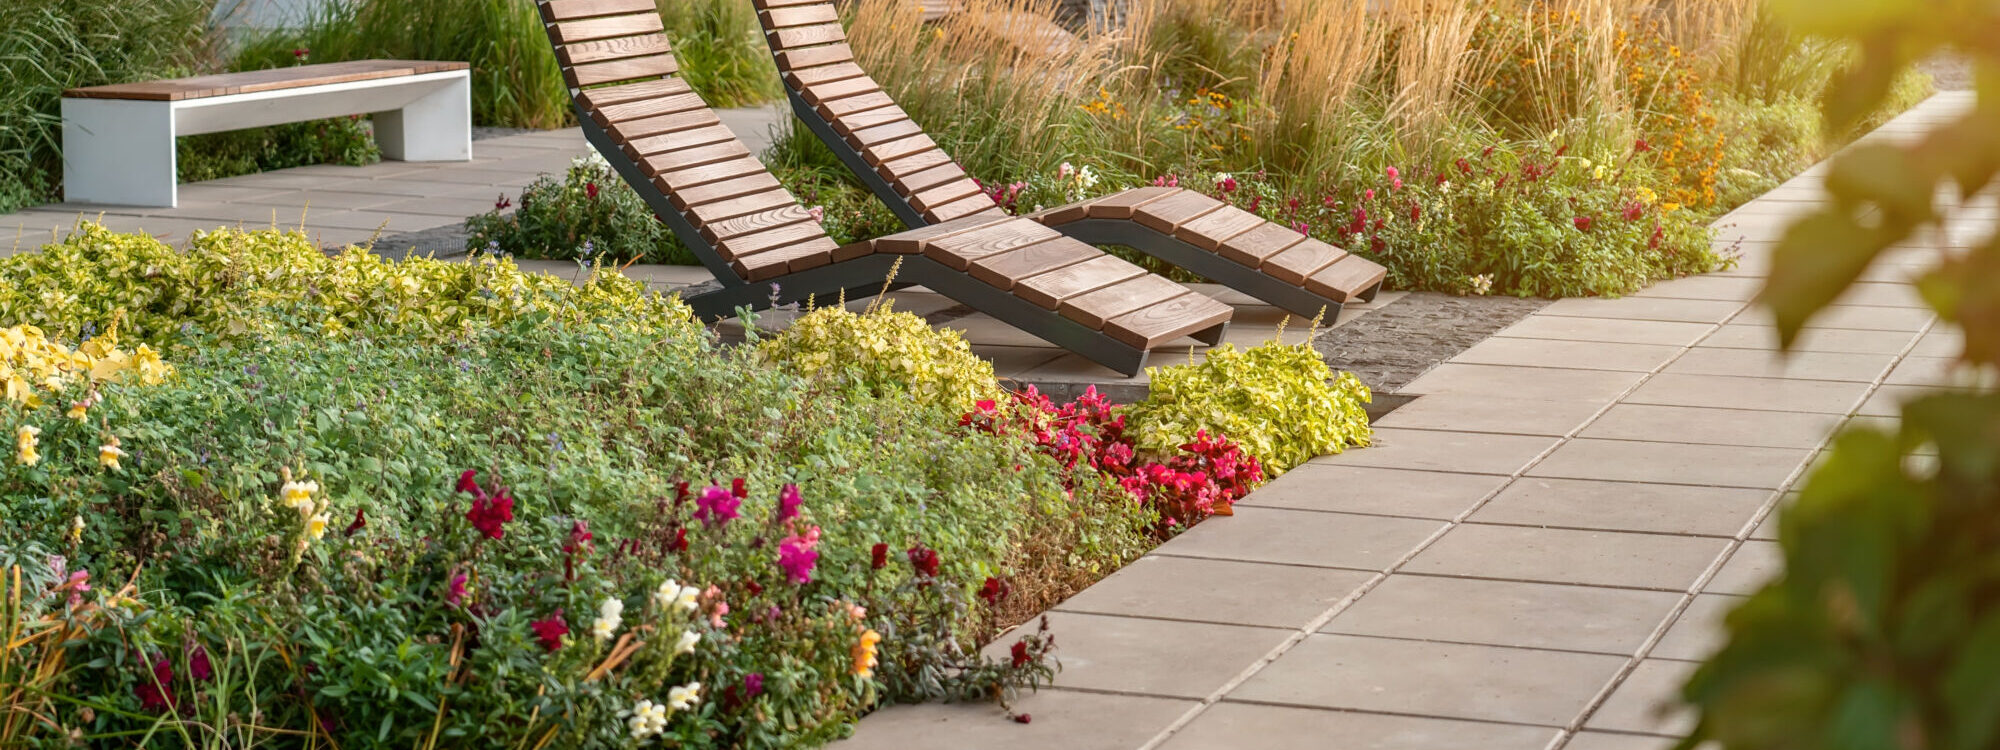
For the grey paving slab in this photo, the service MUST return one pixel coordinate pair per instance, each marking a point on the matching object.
(1586, 355)
(1648, 701)
(1592, 740)
(1526, 383)
(1863, 317)
(1506, 613)
(1671, 463)
(1447, 451)
(1929, 371)
(1247, 726)
(1773, 394)
(1753, 565)
(371, 220)
(1763, 363)
(1704, 287)
(1220, 591)
(1887, 400)
(1698, 633)
(1061, 718)
(497, 178)
(1142, 656)
(1882, 295)
(1691, 424)
(1623, 506)
(1764, 337)
(1606, 330)
(1423, 678)
(1647, 308)
(1592, 558)
(1390, 492)
(1484, 413)
(322, 199)
(1941, 341)
(1298, 537)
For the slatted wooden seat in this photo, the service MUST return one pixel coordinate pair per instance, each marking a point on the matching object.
(922, 185)
(736, 217)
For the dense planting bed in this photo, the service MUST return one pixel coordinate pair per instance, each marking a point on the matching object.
(260, 494)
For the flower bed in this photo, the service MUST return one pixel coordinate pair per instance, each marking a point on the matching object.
(275, 496)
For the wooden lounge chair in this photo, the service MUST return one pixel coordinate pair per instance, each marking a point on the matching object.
(921, 184)
(766, 249)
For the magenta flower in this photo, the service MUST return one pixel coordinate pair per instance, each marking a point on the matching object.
(550, 630)
(455, 592)
(198, 664)
(716, 506)
(797, 556)
(753, 684)
(156, 694)
(789, 502)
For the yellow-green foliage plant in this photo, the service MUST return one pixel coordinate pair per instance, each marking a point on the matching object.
(232, 281)
(1279, 401)
(885, 351)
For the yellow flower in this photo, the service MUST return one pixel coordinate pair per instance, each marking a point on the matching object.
(25, 440)
(297, 495)
(76, 529)
(864, 654)
(1646, 195)
(1670, 207)
(109, 453)
(79, 410)
(1599, 173)
(316, 526)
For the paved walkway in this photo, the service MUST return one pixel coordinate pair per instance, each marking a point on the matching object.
(1535, 555)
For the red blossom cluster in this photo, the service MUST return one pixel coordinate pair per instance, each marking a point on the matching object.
(491, 510)
(1006, 196)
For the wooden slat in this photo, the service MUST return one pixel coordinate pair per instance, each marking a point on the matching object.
(678, 121)
(807, 36)
(801, 15)
(655, 165)
(836, 90)
(713, 192)
(609, 97)
(1121, 205)
(1252, 247)
(854, 104)
(681, 179)
(978, 240)
(274, 79)
(718, 231)
(1346, 279)
(631, 111)
(613, 49)
(884, 152)
(853, 250)
(768, 4)
(884, 133)
(1093, 309)
(623, 70)
(771, 264)
(669, 142)
(804, 77)
(1167, 213)
(1004, 270)
(756, 242)
(912, 164)
(1153, 325)
(744, 206)
(945, 194)
(971, 206)
(1301, 260)
(855, 123)
(930, 178)
(1049, 289)
(571, 32)
(1064, 214)
(570, 10)
(1211, 230)
(794, 59)
(918, 240)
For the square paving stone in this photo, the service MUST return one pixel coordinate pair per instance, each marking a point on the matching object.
(1422, 678)
(1672, 463)
(1144, 656)
(1591, 558)
(1523, 383)
(1870, 318)
(1757, 363)
(1647, 308)
(1764, 336)
(1221, 591)
(1298, 537)
(1623, 506)
(1248, 726)
(1062, 718)
(1691, 424)
(1385, 492)
(1480, 413)
(1754, 564)
(1772, 394)
(1699, 631)
(1506, 613)
(1606, 330)
(1473, 452)
(386, 221)
(296, 200)
(1649, 701)
(1582, 355)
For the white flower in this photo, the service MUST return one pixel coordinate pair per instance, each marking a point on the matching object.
(76, 529)
(684, 697)
(1220, 176)
(609, 615)
(687, 641)
(1086, 177)
(672, 594)
(647, 719)
(298, 495)
(686, 598)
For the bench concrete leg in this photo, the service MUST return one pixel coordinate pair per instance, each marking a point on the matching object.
(118, 152)
(437, 127)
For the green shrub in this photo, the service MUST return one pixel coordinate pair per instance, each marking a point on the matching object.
(587, 214)
(885, 352)
(341, 140)
(1280, 402)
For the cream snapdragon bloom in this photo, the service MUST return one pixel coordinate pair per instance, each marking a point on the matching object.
(610, 615)
(25, 441)
(684, 697)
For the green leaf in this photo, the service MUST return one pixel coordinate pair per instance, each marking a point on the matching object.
(1818, 258)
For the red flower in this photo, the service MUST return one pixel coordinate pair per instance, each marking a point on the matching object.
(300, 54)
(579, 537)
(490, 514)
(360, 522)
(455, 591)
(502, 204)
(995, 591)
(156, 693)
(1641, 146)
(925, 560)
(1227, 185)
(1583, 223)
(680, 542)
(550, 630)
(1023, 718)
(1633, 210)
(879, 556)
(466, 481)
(1416, 212)
(739, 488)
(1464, 167)
(590, 190)
(1019, 652)
(198, 665)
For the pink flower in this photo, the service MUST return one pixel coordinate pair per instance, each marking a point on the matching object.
(818, 214)
(1227, 185)
(1368, 194)
(797, 556)
(716, 506)
(550, 630)
(788, 503)
(455, 591)
(753, 684)
(721, 610)
(1301, 227)
(1393, 173)
(77, 583)
(198, 665)
(1583, 223)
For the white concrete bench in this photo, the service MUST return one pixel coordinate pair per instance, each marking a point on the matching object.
(118, 140)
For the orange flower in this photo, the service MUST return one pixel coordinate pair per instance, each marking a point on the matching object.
(864, 654)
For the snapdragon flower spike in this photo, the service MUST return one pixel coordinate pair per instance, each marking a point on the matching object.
(924, 560)
(789, 501)
(878, 556)
(550, 630)
(716, 506)
(797, 556)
